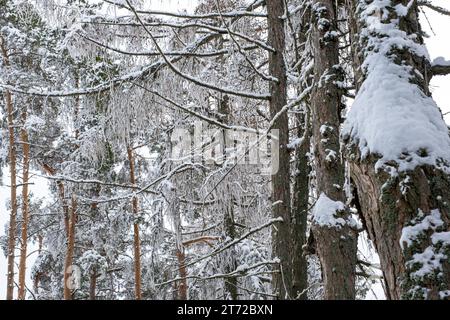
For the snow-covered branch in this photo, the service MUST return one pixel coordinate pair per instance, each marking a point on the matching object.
(195, 80)
(428, 4)
(239, 272)
(440, 67)
(236, 241)
(233, 14)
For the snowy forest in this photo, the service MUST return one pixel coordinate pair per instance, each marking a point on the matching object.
(222, 150)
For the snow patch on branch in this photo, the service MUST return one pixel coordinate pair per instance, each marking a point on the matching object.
(441, 237)
(412, 232)
(294, 143)
(429, 261)
(429, 246)
(325, 213)
(440, 61)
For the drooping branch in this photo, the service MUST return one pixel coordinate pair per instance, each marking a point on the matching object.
(237, 272)
(218, 30)
(433, 7)
(236, 241)
(143, 73)
(190, 78)
(233, 14)
(167, 53)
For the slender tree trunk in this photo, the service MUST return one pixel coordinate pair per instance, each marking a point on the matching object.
(300, 204)
(230, 283)
(25, 211)
(92, 285)
(335, 243)
(137, 244)
(302, 168)
(13, 215)
(62, 196)
(174, 210)
(182, 286)
(406, 211)
(38, 276)
(281, 195)
(70, 250)
(230, 265)
(13, 181)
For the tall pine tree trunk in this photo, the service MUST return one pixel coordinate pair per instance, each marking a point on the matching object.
(302, 168)
(25, 210)
(332, 227)
(68, 294)
(300, 206)
(13, 182)
(281, 195)
(136, 238)
(403, 199)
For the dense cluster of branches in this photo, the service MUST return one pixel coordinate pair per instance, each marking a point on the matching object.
(94, 92)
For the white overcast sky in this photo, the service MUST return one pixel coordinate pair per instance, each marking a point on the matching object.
(438, 44)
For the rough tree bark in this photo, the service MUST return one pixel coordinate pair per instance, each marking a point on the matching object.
(281, 194)
(335, 243)
(137, 244)
(392, 203)
(92, 284)
(25, 211)
(182, 286)
(13, 181)
(300, 204)
(302, 169)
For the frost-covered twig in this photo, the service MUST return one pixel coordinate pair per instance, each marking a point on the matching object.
(236, 241)
(188, 77)
(232, 34)
(433, 7)
(184, 53)
(232, 14)
(237, 272)
(215, 29)
(196, 114)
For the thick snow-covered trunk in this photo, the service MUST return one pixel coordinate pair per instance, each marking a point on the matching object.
(281, 195)
(398, 149)
(333, 226)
